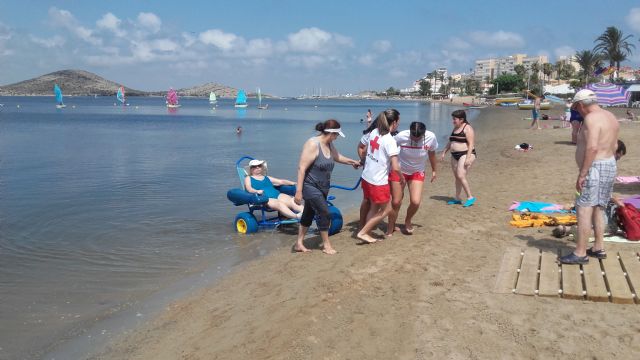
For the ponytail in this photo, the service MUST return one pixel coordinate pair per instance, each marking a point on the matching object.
(386, 119)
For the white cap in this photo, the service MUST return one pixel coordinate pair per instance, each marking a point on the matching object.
(338, 130)
(256, 162)
(584, 94)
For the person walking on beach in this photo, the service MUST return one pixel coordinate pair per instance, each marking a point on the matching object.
(463, 154)
(416, 146)
(317, 160)
(595, 157)
(381, 158)
(535, 112)
(575, 119)
(369, 117)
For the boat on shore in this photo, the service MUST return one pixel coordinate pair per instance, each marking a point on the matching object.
(507, 101)
(545, 105)
(241, 99)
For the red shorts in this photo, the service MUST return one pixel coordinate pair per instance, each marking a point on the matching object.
(416, 176)
(378, 194)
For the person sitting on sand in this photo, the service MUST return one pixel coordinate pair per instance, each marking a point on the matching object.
(258, 183)
(318, 157)
(416, 146)
(630, 115)
(381, 158)
(463, 154)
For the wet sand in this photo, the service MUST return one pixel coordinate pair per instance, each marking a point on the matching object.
(425, 296)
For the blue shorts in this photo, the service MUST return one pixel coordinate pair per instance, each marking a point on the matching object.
(534, 114)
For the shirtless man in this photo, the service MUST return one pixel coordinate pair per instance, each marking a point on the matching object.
(595, 156)
(535, 112)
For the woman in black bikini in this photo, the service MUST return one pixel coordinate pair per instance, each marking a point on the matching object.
(463, 154)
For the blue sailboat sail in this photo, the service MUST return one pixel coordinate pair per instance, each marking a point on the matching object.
(58, 94)
(241, 99)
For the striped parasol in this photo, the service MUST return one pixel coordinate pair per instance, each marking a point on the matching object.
(610, 94)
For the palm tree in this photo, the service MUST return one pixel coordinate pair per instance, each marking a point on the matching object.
(547, 69)
(588, 61)
(613, 46)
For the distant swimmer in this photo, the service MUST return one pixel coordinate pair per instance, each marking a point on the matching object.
(239, 130)
(369, 117)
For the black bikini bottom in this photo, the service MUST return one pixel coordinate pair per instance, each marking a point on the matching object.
(458, 154)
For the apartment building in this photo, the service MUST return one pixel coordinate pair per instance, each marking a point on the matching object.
(491, 68)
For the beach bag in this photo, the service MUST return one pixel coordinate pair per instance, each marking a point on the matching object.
(629, 221)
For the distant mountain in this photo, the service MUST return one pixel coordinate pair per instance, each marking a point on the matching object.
(72, 82)
(80, 82)
(205, 89)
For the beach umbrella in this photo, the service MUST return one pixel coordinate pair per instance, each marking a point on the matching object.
(610, 94)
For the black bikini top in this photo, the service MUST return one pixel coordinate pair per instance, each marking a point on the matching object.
(459, 137)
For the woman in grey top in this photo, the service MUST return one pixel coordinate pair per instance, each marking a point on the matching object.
(314, 177)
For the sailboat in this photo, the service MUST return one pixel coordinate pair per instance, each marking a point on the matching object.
(266, 106)
(120, 96)
(212, 99)
(58, 93)
(241, 99)
(172, 99)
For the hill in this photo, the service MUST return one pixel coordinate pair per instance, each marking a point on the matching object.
(205, 89)
(80, 82)
(72, 82)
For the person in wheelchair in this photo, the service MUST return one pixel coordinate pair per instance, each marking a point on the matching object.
(259, 183)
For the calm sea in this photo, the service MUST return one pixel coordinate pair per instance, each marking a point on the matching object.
(106, 209)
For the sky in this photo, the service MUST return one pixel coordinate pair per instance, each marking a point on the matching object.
(290, 48)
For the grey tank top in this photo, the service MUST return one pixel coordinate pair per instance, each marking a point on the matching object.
(318, 176)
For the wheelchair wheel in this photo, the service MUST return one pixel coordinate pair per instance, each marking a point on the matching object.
(336, 220)
(246, 223)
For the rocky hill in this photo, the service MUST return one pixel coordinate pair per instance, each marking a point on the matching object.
(80, 82)
(205, 89)
(72, 82)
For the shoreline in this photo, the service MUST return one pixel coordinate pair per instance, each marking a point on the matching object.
(396, 292)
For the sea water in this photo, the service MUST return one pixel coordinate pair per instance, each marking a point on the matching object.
(104, 206)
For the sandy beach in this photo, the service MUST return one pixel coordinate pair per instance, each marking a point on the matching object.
(425, 296)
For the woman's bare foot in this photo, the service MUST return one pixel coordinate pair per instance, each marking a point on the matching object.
(408, 229)
(300, 248)
(395, 228)
(329, 251)
(366, 238)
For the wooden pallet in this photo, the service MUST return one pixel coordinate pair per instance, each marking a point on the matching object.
(531, 272)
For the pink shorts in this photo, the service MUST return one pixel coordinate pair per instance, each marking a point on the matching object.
(416, 176)
(378, 194)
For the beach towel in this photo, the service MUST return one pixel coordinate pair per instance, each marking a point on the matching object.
(627, 179)
(616, 239)
(537, 207)
(537, 220)
(633, 200)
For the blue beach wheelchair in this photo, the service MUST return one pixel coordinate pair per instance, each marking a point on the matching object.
(247, 222)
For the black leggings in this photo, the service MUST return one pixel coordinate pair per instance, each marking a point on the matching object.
(316, 205)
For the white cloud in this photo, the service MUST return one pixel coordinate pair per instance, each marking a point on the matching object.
(397, 73)
(52, 42)
(164, 45)
(382, 46)
(112, 23)
(188, 39)
(498, 39)
(259, 48)
(150, 21)
(5, 36)
(218, 38)
(65, 20)
(366, 59)
(633, 19)
(564, 51)
(314, 40)
(457, 43)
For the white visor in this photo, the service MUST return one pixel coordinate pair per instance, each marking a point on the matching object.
(338, 130)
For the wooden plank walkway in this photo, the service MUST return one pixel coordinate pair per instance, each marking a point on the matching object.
(534, 273)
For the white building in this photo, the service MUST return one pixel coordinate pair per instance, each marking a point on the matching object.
(492, 68)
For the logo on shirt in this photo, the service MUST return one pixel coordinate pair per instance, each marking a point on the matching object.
(374, 144)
